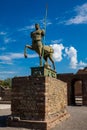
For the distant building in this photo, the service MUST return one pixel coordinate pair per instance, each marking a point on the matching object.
(82, 71)
(76, 86)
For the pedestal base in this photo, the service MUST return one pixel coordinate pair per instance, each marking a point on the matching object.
(37, 125)
(38, 103)
(43, 71)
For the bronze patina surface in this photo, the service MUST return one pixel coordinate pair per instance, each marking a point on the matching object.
(43, 71)
(43, 51)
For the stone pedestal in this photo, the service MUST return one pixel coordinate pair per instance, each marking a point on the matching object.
(38, 102)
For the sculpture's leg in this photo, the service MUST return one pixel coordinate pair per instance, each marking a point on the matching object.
(40, 54)
(40, 60)
(29, 47)
(46, 58)
(25, 54)
(50, 57)
(46, 61)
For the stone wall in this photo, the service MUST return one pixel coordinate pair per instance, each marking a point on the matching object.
(28, 98)
(71, 79)
(38, 100)
(5, 94)
(56, 98)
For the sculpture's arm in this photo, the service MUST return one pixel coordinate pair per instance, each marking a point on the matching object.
(31, 34)
(43, 33)
(29, 47)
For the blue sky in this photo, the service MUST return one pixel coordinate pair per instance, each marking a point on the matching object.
(66, 31)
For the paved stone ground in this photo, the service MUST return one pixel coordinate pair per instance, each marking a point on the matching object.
(77, 120)
(5, 106)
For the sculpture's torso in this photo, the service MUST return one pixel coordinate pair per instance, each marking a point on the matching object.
(37, 35)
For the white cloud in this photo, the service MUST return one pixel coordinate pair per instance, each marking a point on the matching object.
(7, 72)
(48, 23)
(32, 56)
(44, 23)
(6, 37)
(70, 52)
(21, 55)
(56, 41)
(60, 52)
(3, 33)
(7, 59)
(16, 55)
(8, 40)
(6, 62)
(41, 22)
(72, 55)
(58, 48)
(2, 48)
(26, 28)
(11, 56)
(77, 20)
(80, 17)
(82, 64)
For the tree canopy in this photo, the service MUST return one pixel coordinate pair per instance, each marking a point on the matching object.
(6, 83)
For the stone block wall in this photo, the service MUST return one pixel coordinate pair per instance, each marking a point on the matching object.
(5, 94)
(28, 98)
(56, 97)
(38, 99)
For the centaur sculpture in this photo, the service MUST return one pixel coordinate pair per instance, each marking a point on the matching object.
(43, 51)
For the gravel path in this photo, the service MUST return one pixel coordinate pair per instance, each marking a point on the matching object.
(77, 120)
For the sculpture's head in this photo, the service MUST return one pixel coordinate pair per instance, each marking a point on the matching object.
(37, 26)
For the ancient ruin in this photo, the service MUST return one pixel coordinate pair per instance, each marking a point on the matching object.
(76, 86)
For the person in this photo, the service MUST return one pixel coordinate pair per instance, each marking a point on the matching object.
(37, 36)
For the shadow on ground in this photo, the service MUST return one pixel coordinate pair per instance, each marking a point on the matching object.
(3, 121)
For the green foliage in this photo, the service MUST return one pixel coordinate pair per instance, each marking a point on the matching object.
(7, 82)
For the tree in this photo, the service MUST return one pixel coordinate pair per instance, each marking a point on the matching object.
(7, 82)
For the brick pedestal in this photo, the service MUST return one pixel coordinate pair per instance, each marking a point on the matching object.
(38, 102)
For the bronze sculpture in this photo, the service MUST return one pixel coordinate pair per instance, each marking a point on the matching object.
(43, 51)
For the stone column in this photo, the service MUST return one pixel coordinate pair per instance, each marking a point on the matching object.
(85, 92)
